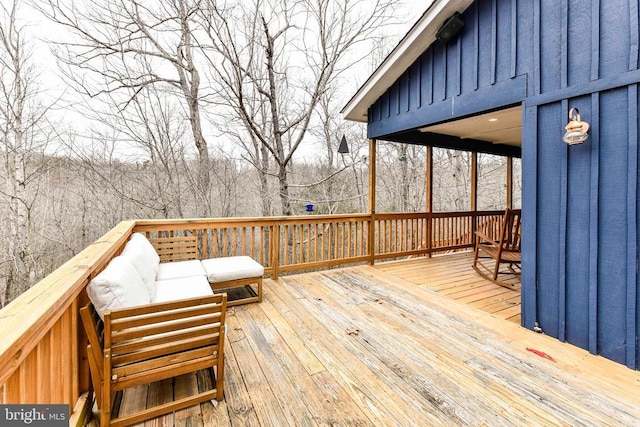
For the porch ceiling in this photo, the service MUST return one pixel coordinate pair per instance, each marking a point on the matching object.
(498, 132)
(498, 127)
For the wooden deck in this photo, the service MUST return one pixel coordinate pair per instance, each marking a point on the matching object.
(363, 346)
(452, 276)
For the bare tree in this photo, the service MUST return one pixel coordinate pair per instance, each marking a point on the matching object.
(23, 139)
(121, 47)
(401, 171)
(492, 182)
(451, 180)
(273, 71)
(151, 136)
(334, 182)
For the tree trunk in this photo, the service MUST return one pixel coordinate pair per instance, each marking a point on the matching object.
(404, 183)
(190, 89)
(285, 201)
(264, 182)
(18, 275)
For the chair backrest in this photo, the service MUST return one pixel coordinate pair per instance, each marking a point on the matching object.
(153, 342)
(165, 340)
(510, 234)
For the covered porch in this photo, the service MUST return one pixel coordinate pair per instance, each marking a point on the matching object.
(362, 346)
(450, 275)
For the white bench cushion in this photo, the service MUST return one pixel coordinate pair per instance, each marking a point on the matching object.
(117, 286)
(231, 268)
(144, 258)
(185, 287)
(142, 240)
(179, 269)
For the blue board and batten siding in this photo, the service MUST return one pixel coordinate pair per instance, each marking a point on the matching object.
(580, 203)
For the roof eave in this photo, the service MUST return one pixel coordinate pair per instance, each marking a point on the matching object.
(412, 45)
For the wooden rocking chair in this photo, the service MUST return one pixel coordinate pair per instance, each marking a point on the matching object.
(506, 250)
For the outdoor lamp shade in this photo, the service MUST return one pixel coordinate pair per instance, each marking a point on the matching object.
(343, 149)
(576, 129)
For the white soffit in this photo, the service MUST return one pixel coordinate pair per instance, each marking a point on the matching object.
(498, 127)
(412, 45)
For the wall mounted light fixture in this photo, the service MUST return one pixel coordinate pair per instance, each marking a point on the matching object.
(450, 28)
(576, 129)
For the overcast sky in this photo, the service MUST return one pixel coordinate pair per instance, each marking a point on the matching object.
(52, 86)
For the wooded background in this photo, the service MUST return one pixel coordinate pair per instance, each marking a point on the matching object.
(196, 108)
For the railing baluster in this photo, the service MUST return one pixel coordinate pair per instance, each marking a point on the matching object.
(292, 244)
(243, 241)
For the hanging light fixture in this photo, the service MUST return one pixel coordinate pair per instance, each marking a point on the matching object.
(576, 129)
(343, 148)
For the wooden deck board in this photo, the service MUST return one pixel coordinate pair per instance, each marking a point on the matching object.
(365, 346)
(452, 275)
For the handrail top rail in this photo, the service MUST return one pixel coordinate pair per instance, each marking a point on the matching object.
(143, 223)
(187, 223)
(26, 319)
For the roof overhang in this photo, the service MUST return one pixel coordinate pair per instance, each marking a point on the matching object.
(412, 45)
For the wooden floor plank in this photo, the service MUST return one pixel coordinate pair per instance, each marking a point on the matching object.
(443, 358)
(408, 390)
(320, 410)
(184, 386)
(277, 366)
(495, 294)
(310, 362)
(259, 389)
(418, 386)
(519, 368)
(338, 391)
(134, 400)
(361, 384)
(160, 392)
(240, 408)
(512, 303)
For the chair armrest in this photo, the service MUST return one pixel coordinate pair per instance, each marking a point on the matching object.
(484, 238)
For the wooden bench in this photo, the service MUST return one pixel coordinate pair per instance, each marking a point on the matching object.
(140, 345)
(224, 273)
(235, 272)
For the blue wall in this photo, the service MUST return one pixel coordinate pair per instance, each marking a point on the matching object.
(580, 203)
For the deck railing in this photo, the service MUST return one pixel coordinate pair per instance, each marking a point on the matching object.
(42, 350)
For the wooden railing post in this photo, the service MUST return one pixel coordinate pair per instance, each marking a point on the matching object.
(474, 194)
(371, 239)
(510, 182)
(429, 233)
(274, 256)
(429, 197)
(372, 201)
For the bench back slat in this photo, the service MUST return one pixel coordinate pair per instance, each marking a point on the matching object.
(176, 248)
